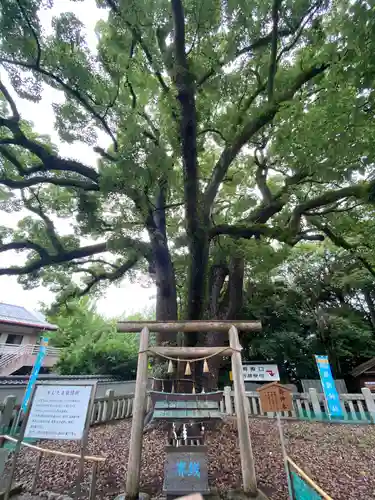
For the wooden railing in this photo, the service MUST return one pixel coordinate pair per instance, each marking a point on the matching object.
(358, 408)
(10, 352)
(112, 407)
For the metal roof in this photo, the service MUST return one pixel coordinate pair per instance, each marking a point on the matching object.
(17, 315)
(363, 367)
(23, 379)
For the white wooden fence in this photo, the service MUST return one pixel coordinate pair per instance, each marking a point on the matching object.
(359, 408)
(105, 409)
(356, 407)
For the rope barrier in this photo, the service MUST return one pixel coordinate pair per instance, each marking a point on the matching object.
(48, 451)
(190, 360)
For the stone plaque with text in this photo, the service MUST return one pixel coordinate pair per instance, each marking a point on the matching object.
(186, 470)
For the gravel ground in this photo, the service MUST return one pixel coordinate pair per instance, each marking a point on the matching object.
(339, 457)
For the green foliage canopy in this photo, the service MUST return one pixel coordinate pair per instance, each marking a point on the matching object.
(318, 301)
(90, 343)
(228, 122)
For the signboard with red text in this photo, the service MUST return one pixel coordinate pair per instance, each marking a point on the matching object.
(261, 373)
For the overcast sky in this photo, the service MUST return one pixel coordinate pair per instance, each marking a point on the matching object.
(127, 297)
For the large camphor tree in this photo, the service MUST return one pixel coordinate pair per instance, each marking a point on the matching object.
(234, 126)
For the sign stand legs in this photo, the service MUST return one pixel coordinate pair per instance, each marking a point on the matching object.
(280, 427)
(84, 441)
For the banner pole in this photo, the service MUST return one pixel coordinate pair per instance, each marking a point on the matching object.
(17, 448)
(280, 427)
(32, 380)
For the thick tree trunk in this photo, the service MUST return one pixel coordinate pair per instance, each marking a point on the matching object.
(165, 279)
(166, 293)
(227, 308)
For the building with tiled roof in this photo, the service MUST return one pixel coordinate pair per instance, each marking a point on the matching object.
(20, 332)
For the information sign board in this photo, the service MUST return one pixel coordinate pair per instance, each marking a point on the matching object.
(274, 398)
(261, 373)
(370, 385)
(58, 412)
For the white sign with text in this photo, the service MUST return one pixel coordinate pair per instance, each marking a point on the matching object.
(261, 373)
(58, 412)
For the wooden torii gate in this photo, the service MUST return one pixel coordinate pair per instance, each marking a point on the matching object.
(140, 396)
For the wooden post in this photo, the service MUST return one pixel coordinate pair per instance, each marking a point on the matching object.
(315, 403)
(228, 400)
(108, 406)
(36, 473)
(136, 437)
(370, 405)
(84, 441)
(286, 466)
(7, 413)
(246, 452)
(6, 416)
(93, 480)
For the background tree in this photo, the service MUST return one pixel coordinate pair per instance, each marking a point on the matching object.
(228, 122)
(314, 302)
(90, 343)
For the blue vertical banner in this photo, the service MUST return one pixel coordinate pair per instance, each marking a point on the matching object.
(34, 374)
(329, 387)
(302, 490)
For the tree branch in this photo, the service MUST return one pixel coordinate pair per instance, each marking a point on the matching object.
(73, 92)
(115, 275)
(258, 230)
(15, 113)
(212, 131)
(273, 56)
(249, 101)
(339, 241)
(300, 28)
(242, 231)
(50, 228)
(33, 32)
(335, 210)
(12, 159)
(95, 261)
(56, 181)
(138, 37)
(50, 161)
(45, 258)
(25, 245)
(261, 178)
(264, 117)
(357, 191)
(260, 43)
